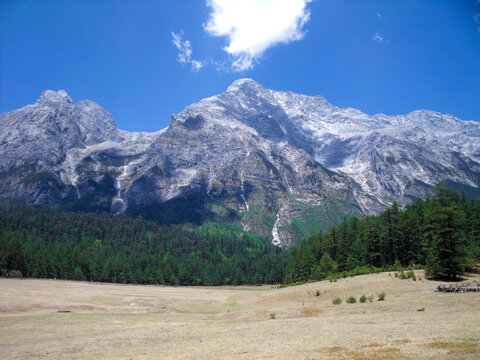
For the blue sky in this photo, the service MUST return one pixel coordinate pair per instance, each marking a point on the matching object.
(378, 56)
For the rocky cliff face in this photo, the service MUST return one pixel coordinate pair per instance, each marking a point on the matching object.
(280, 164)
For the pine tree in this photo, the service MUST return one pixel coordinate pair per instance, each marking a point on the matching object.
(325, 267)
(371, 240)
(443, 235)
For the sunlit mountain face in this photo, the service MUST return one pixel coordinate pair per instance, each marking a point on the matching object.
(280, 164)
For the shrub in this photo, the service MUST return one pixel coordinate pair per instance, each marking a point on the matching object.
(351, 300)
(363, 299)
(317, 293)
(337, 301)
(334, 277)
(272, 315)
(370, 298)
(411, 274)
(408, 275)
(382, 296)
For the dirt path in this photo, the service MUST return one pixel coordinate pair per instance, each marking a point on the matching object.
(147, 322)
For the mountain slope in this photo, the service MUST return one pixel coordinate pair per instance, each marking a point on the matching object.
(280, 164)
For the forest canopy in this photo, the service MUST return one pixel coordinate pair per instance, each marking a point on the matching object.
(44, 243)
(441, 234)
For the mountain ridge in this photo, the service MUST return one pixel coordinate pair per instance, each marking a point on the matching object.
(280, 164)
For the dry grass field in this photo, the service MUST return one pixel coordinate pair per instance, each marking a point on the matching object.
(108, 321)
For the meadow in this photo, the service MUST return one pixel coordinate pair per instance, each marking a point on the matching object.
(55, 319)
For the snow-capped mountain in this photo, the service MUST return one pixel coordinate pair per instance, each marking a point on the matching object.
(280, 164)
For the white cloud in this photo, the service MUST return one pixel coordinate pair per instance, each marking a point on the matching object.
(185, 51)
(196, 65)
(378, 37)
(379, 15)
(252, 26)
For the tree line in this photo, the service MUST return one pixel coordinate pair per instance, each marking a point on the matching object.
(441, 233)
(42, 242)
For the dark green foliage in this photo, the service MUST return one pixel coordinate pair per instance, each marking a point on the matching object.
(363, 299)
(382, 296)
(441, 233)
(351, 300)
(337, 301)
(42, 242)
(444, 234)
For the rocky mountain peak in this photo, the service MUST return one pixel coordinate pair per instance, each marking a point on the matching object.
(244, 84)
(54, 98)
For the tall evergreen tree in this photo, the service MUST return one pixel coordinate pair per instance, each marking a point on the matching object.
(443, 234)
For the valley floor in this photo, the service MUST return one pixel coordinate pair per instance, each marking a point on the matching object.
(109, 321)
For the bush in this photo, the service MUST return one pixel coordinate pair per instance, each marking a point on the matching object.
(317, 293)
(382, 296)
(337, 301)
(397, 264)
(351, 300)
(411, 274)
(272, 315)
(363, 299)
(370, 298)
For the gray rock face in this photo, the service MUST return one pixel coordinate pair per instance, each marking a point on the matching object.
(41, 134)
(280, 164)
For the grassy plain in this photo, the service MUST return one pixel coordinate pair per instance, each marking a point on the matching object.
(108, 321)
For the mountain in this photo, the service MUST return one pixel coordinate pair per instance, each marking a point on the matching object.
(280, 164)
